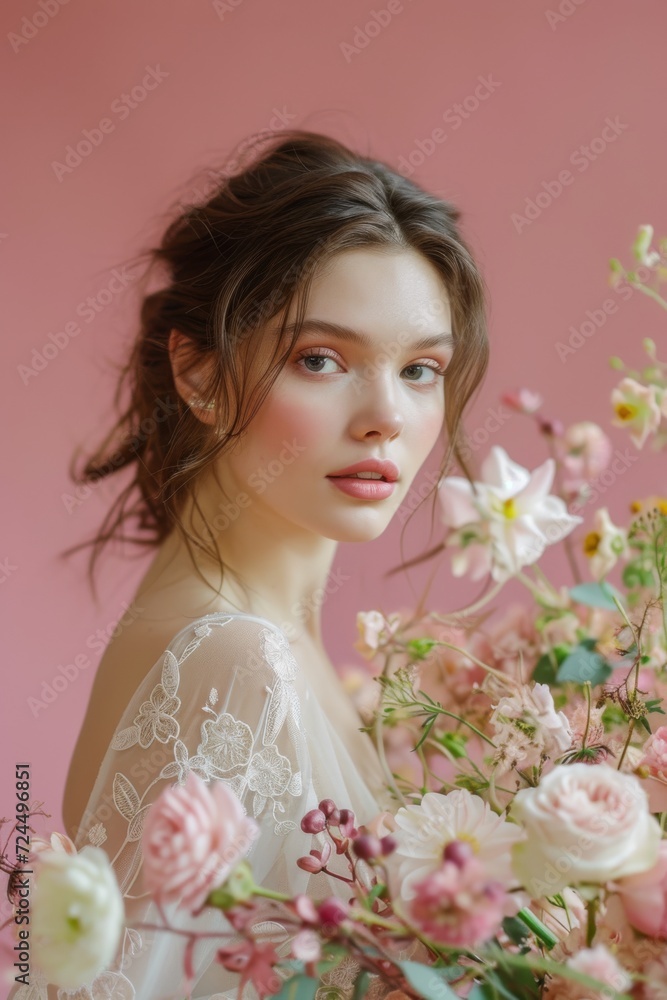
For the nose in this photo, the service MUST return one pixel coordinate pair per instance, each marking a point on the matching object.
(379, 414)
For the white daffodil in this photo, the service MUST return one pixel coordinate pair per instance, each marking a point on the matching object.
(637, 407)
(604, 544)
(510, 517)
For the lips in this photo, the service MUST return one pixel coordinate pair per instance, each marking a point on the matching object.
(386, 468)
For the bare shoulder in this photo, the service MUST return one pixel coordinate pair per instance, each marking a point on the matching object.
(138, 642)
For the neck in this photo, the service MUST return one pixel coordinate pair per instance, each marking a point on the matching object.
(277, 570)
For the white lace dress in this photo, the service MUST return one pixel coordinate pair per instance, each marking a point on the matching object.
(227, 700)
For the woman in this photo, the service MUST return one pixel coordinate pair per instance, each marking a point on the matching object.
(308, 313)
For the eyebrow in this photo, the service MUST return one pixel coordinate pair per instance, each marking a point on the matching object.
(362, 339)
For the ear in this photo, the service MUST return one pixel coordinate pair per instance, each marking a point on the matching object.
(189, 377)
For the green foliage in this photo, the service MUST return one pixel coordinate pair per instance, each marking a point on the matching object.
(595, 595)
(298, 988)
(584, 664)
(428, 982)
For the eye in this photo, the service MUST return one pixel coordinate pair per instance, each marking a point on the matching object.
(434, 368)
(320, 355)
(315, 356)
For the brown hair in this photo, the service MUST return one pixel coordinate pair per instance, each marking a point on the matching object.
(233, 261)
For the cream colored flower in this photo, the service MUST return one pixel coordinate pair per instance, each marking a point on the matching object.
(423, 830)
(77, 915)
(604, 544)
(637, 407)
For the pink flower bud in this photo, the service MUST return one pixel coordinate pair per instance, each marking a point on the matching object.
(458, 852)
(367, 847)
(316, 861)
(388, 844)
(334, 817)
(305, 908)
(327, 806)
(314, 821)
(333, 911)
(346, 823)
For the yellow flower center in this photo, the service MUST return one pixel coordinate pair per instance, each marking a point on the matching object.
(510, 509)
(469, 839)
(625, 411)
(592, 543)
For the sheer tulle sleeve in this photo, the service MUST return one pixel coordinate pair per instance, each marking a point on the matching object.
(223, 701)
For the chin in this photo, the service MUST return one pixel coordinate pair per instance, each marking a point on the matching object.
(364, 530)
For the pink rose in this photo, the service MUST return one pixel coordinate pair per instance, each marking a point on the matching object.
(193, 837)
(584, 823)
(644, 897)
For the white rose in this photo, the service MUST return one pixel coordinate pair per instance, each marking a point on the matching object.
(77, 915)
(584, 823)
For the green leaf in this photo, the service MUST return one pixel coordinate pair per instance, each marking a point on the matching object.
(298, 988)
(544, 672)
(333, 955)
(377, 890)
(583, 664)
(427, 726)
(361, 984)
(515, 929)
(643, 721)
(420, 648)
(595, 595)
(455, 743)
(426, 981)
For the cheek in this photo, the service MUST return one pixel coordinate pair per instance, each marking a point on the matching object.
(289, 421)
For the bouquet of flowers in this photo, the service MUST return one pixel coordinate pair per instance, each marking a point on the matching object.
(526, 856)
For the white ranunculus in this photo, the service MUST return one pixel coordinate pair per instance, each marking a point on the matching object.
(77, 915)
(584, 823)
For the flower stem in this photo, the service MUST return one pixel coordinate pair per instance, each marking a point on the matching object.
(540, 930)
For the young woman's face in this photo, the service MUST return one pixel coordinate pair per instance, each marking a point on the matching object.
(338, 402)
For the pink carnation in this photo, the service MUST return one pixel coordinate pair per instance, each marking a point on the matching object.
(458, 904)
(193, 837)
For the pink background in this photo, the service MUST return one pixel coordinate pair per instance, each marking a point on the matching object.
(229, 73)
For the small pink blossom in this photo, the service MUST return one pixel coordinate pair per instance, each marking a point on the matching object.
(522, 400)
(375, 631)
(306, 946)
(644, 897)
(458, 903)
(193, 837)
(255, 963)
(599, 964)
(654, 761)
(587, 453)
(316, 860)
(528, 718)
(57, 842)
